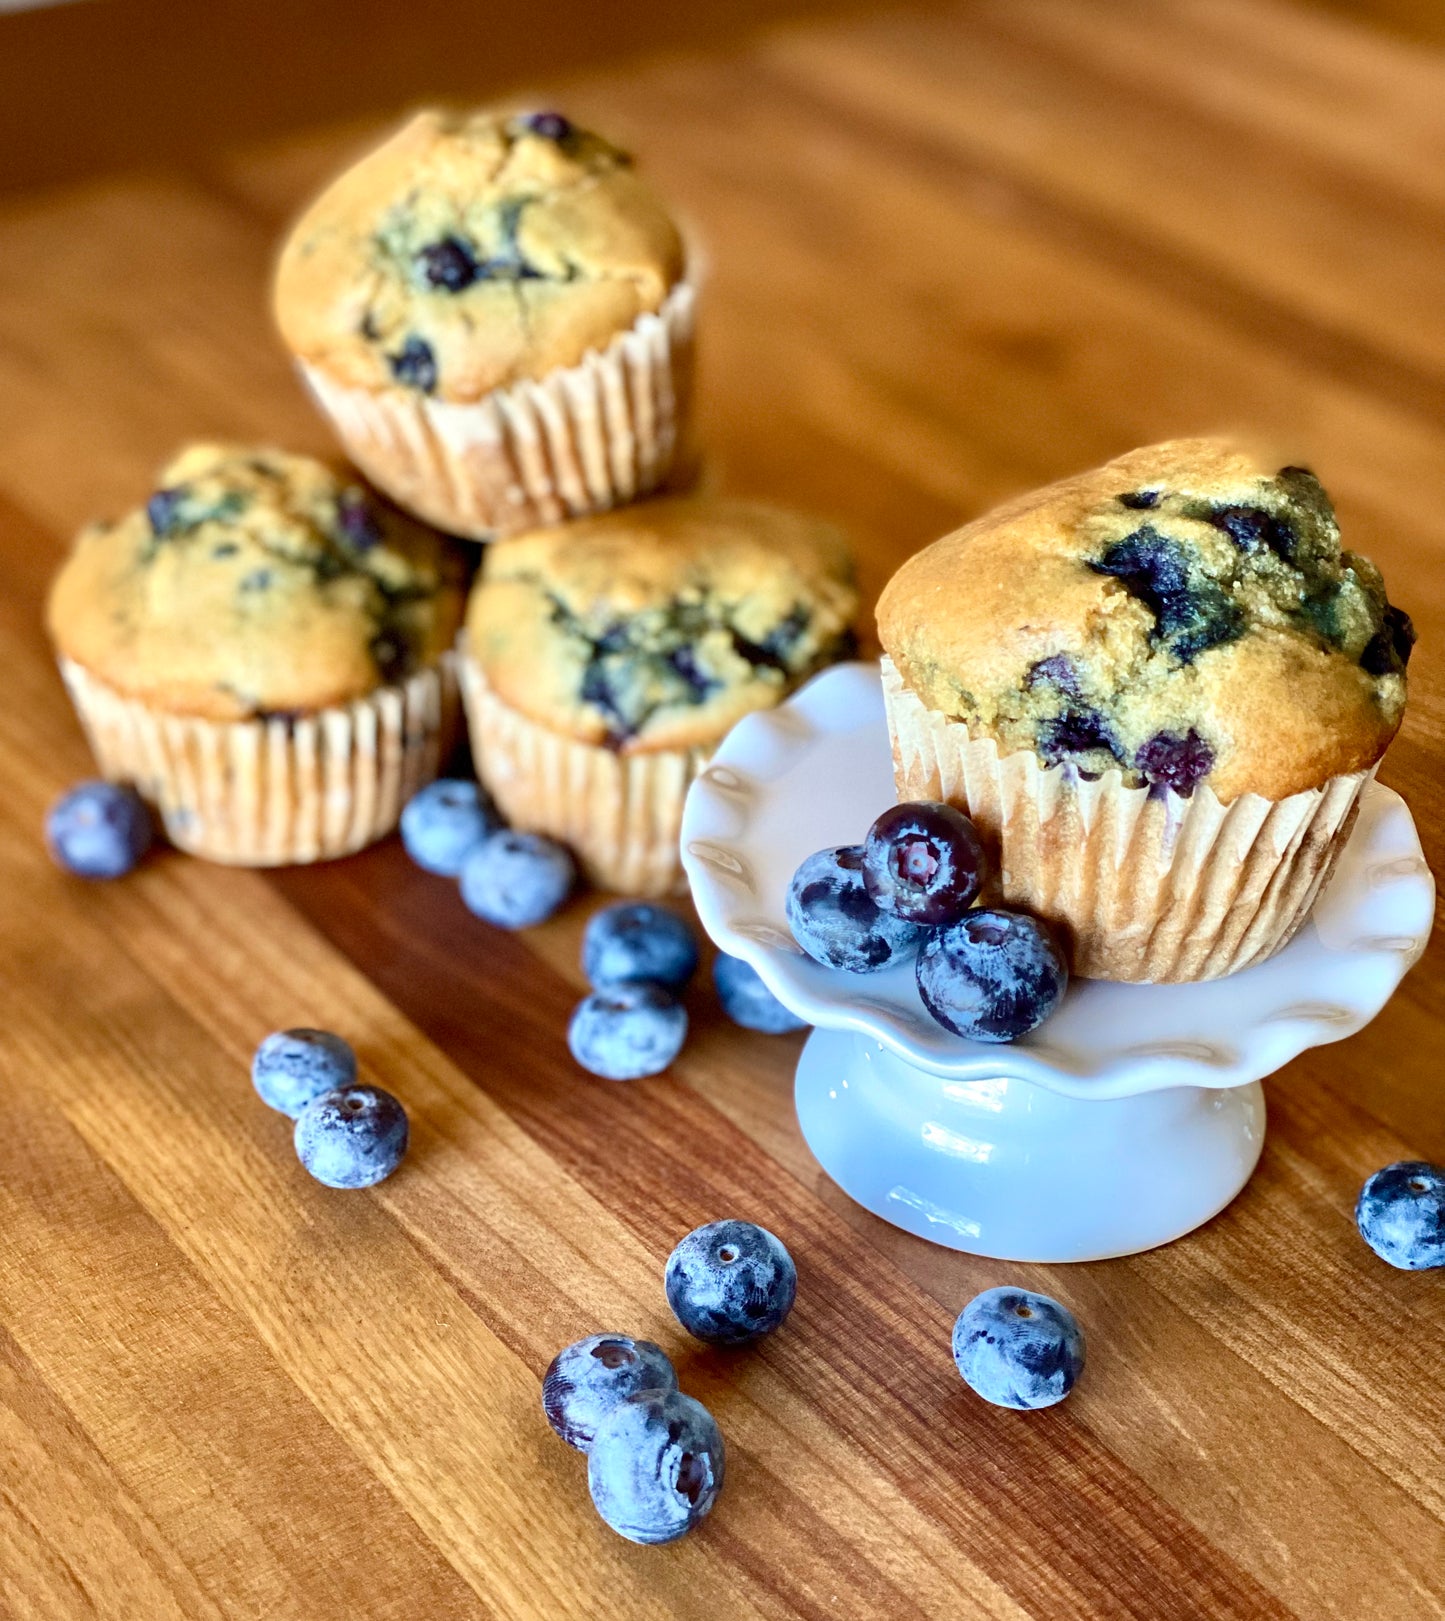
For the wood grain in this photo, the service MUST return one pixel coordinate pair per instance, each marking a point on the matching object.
(951, 254)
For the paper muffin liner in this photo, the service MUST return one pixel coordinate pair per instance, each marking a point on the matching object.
(1148, 885)
(582, 439)
(275, 791)
(620, 814)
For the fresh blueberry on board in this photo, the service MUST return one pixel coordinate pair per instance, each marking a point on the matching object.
(656, 1466)
(98, 829)
(588, 1379)
(627, 1032)
(516, 880)
(634, 940)
(993, 975)
(923, 862)
(747, 1001)
(1401, 1214)
(445, 822)
(835, 920)
(293, 1067)
(1018, 1349)
(353, 1137)
(730, 1282)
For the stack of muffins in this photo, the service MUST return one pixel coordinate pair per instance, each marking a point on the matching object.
(495, 315)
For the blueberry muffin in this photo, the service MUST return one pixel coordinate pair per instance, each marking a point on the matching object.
(263, 648)
(492, 311)
(1160, 686)
(606, 659)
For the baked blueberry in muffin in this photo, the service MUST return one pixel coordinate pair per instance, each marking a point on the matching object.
(607, 658)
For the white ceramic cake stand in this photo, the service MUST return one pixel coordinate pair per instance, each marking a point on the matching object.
(1128, 1119)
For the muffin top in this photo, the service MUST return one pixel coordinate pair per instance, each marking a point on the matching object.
(657, 626)
(253, 582)
(471, 251)
(1185, 614)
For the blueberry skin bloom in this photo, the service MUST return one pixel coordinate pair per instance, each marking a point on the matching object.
(656, 1466)
(98, 830)
(627, 1032)
(747, 1001)
(1401, 1215)
(1018, 1349)
(993, 975)
(588, 1379)
(293, 1067)
(445, 822)
(353, 1137)
(730, 1282)
(924, 862)
(633, 941)
(834, 919)
(516, 880)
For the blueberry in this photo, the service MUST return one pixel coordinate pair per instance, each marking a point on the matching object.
(1058, 670)
(656, 1466)
(1389, 649)
(1170, 761)
(834, 919)
(98, 829)
(992, 976)
(445, 822)
(1253, 529)
(633, 940)
(1190, 615)
(1401, 1214)
(588, 1379)
(163, 510)
(356, 519)
(415, 365)
(730, 1282)
(353, 1137)
(1018, 1349)
(1139, 500)
(293, 1067)
(625, 1032)
(1079, 730)
(517, 879)
(747, 1001)
(923, 862)
(550, 126)
(449, 264)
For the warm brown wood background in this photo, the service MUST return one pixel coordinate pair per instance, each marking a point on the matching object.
(954, 253)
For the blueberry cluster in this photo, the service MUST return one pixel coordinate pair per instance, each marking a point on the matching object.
(512, 879)
(655, 1457)
(347, 1135)
(638, 958)
(909, 891)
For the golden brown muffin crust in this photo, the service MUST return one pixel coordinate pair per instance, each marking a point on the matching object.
(658, 626)
(471, 251)
(1185, 613)
(255, 582)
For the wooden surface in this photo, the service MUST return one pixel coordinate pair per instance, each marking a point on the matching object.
(952, 255)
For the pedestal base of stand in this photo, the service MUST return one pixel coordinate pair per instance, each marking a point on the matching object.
(1009, 1169)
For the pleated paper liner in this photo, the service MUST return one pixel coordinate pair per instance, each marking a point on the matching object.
(275, 791)
(620, 814)
(583, 439)
(1147, 885)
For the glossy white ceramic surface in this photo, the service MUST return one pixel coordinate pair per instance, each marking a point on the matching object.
(1128, 1118)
